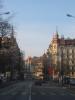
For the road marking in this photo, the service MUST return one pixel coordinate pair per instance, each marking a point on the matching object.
(50, 87)
(3, 93)
(24, 93)
(9, 91)
(63, 94)
(33, 93)
(14, 93)
(72, 94)
(30, 86)
(64, 87)
(43, 93)
(52, 93)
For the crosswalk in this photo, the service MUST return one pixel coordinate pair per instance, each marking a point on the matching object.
(53, 94)
(25, 93)
(24, 90)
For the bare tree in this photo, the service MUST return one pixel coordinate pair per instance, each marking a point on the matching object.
(5, 29)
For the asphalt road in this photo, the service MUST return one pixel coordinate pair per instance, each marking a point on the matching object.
(25, 90)
(51, 93)
(18, 91)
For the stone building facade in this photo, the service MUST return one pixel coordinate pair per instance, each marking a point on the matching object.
(38, 67)
(62, 55)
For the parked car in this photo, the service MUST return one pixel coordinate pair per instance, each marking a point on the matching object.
(66, 80)
(72, 81)
(38, 82)
(3, 79)
(44, 81)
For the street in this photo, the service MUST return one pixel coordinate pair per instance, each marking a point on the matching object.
(26, 90)
(18, 91)
(51, 93)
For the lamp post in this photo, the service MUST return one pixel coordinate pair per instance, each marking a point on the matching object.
(69, 15)
(5, 13)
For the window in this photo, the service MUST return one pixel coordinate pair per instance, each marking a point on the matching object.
(64, 51)
(70, 62)
(70, 50)
(70, 56)
(70, 67)
(65, 56)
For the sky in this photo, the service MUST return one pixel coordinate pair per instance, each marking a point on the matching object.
(35, 22)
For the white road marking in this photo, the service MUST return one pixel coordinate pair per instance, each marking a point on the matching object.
(4, 93)
(8, 92)
(52, 93)
(43, 93)
(30, 86)
(51, 87)
(24, 93)
(14, 93)
(33, 93)
(63, 94)
(72, 94)
(64, 87)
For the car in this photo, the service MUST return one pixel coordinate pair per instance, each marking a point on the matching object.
(38, 82)
(44, 81)
(66, 80)
(72, 81)
(4, 79)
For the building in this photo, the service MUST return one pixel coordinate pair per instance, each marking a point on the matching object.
(62, 55)
(9, 56)
(38, 67)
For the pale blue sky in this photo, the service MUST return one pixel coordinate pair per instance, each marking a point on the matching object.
(35, 22)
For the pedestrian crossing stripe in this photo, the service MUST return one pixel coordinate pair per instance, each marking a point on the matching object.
(23, 93)
(52, 93)
(14, 93)
(3, 93)
(43, 93)
(8, 92)
(33, 93)
(63, 94)
(72, 94)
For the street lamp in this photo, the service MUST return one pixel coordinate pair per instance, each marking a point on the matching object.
(69, 15)
(5, 13)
